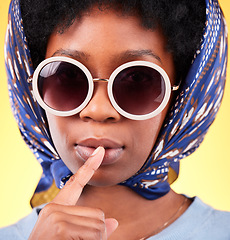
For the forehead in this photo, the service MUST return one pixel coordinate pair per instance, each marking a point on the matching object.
(101, 36)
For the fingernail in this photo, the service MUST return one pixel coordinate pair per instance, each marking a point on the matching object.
(96, 151)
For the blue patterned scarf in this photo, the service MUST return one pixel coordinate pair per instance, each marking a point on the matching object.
(189, 119)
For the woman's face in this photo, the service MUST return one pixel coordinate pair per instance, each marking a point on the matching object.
(102, 41)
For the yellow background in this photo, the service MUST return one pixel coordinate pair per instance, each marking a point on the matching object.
(205, 173)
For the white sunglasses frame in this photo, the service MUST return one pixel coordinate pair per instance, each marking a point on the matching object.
(109, 87)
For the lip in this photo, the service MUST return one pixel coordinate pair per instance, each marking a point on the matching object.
(113, 150)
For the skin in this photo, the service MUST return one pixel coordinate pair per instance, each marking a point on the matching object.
(101, 51)
(96, 42)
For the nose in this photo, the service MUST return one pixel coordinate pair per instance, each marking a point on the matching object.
(99, 108)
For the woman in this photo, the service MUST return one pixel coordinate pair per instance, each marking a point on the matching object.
(122, 145)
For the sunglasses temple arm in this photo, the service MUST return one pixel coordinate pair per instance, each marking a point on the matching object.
(30, 79)
(176, 87)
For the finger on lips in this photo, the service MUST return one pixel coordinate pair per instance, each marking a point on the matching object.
(71, 192)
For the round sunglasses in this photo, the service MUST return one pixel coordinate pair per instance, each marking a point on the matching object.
(138, 90)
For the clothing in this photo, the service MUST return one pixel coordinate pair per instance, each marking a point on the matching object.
(198, 222)
(193, 111)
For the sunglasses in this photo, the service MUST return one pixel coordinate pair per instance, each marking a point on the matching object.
(138, 90)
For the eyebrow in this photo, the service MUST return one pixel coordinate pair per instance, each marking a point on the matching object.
(138, 53)
(71, 53)
(124, 56)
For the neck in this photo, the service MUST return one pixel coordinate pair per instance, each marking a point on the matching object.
(148, 215)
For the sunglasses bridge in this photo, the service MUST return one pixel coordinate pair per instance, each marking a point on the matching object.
(100, 80)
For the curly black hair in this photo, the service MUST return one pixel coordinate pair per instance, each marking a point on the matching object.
(182, 22)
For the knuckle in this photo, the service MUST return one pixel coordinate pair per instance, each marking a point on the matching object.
(61, 228)
(74, 179)
(96, 234)
(55, 217)
(69, 182)
(48, 209)
(101, 225)
(98, 229)
(99, 213)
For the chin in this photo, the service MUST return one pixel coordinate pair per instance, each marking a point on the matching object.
(102, 181)
(105, 179)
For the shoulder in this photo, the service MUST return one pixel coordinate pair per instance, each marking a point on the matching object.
(21, 229)
(200, 221)
(214, 224)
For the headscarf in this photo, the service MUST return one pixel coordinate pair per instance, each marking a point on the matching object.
(189, 119)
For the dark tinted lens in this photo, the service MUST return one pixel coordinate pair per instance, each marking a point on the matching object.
(62, 86)
(139, 90)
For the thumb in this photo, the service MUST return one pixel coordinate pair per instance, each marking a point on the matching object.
(111, 226)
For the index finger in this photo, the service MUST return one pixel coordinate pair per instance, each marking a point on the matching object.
(71, 192)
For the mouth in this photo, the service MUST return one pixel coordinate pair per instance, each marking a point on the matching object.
(113, 150)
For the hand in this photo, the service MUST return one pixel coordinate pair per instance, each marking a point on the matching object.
(62, 219)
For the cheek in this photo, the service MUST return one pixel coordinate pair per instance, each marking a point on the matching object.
(58, 130)
(148, 131)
